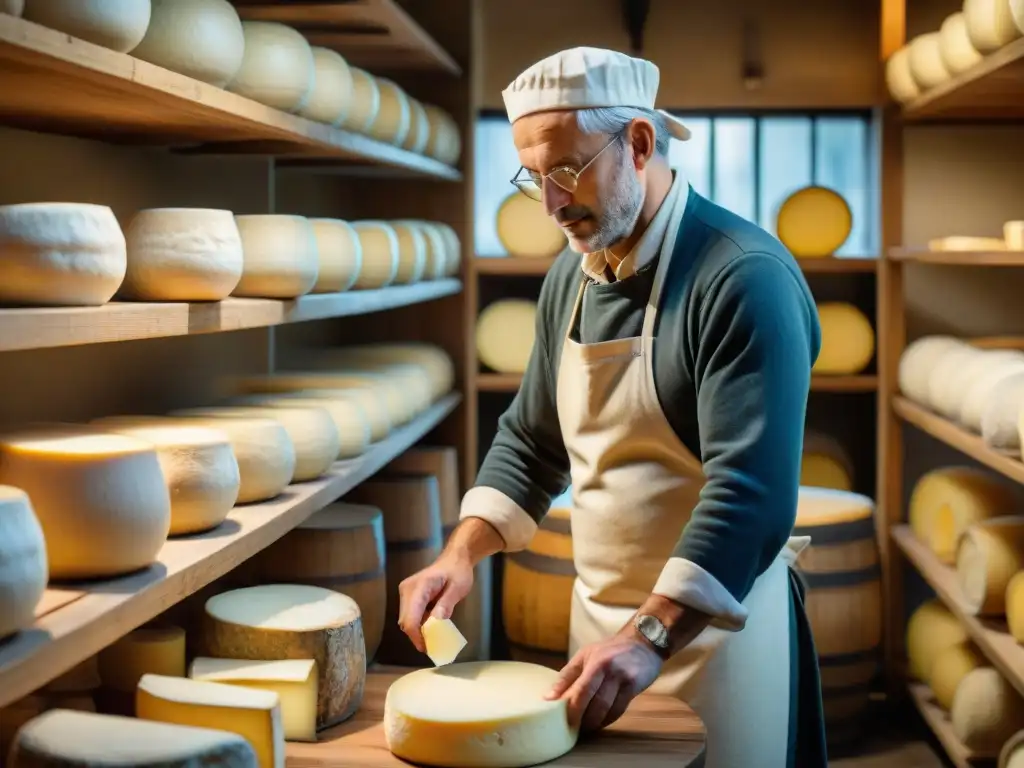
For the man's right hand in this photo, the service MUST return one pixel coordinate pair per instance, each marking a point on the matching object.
(440, 586)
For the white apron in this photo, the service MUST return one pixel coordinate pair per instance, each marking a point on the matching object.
(634, 488)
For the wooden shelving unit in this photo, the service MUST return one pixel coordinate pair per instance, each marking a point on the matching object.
(938, 721)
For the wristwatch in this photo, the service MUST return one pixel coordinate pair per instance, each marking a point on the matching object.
(653, 631)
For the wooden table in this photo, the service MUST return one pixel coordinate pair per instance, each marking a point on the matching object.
(655, 732)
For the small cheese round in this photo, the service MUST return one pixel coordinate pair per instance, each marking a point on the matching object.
(986, 710)
(280, 259)
(966, 243)
(898, 79)
(526, 231)
(435, 244)
(967, 493)
(182, 254)
(419, 128)
(453, 247)
(60, 254)
(505, 333)
(999, 419)
(959, 371)
(931, 629)
(277, 69)
(445, 142)
(919, 360)
(978, 395)
(990, 24)
(391, 124)
(955, 47)
(926, 65)
(340, 255)
(847, 340)
(950, 667)
(412, 254)
(813, 222)
(151, 650)
(348, 416)
(201, 39)
(23, 565)
(380, 254)
(365, 101)
(989, 553)
(332, 88)
(483, 714)
(117, 26)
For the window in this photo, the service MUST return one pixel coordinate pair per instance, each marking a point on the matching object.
(748, 164)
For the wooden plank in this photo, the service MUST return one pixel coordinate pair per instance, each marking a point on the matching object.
(511, 266)
(108, 610)
(960, 258)
(938, 721)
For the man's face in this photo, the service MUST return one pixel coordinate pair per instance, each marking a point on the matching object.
(606, 203)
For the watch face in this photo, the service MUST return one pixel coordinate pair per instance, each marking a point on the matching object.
(652, 629)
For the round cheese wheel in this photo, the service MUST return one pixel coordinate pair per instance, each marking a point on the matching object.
(453, 248)
(926, 65)
(150, 650)
(985, 379)
(505, 333)
(435, 244)
(380, 247)
(825, 463)
(117, 26)
(372, 402)
(391, 123)
(847, 340)
(999, 417)
(966, 244)
(280, 259)
(277, 68)
(201, 39)
(412, 253)
(419, 128)
(348, 416)
(1013, 235)
(435, 362)
(365, 102)
(898, 79)
(12, 7)
(1015, 606)
(918, 362)
(526, 231)
(100, 498)
(813, 222)
(182, 254)
(950, 396)
(445, 142)
(990, 24)
(931, 629)
(60, 254)
(989, 553)
(945, 384)
(986, 710)
(966, 493)
(23, 565)
(955, 47)
(339, 255)
(332, 88)
(950, 667)
(1017, 11)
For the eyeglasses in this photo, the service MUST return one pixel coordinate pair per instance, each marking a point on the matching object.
(532, 185)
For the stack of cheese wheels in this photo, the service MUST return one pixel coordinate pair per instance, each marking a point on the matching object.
(435, 364)
(413, 251)
(955, 47)
(968, 375)
(950, 667)
(371, 401)
(445, 143)
(986, 711)
(60, 254)
(525, 229)
(277, 67)
(339, 255)
(826, 463)
(505, 333)
(990, 24)
(365, 102)
(100, 498)
(435, 247)
(418, 137)
(23, 566)
(394, 116)
(814, 222)
(898, 79)
(152, 649)
(118, 26)
(272, 622)
(201, 39)
(331, 96)
(280, 259)
(989, 554)
(926, 65)
(381, 254)
(847, 340)
(919, 361)
(931, 629)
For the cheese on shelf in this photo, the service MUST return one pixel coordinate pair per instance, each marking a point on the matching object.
(437, 245)
(984, 380)
(453, 247)
(117, 26)
(294, 621)
(898, 79)
(931, 629)
(365, 101)
(814, 221)
(348, 416)
(999, 418)
(332, 88)
(419, 128)
(255, 715)
(380, 247)
(951, 666)
(67, 739)
(182, 254)
(926, 66)
(825, 463)
(435, 362)
(951, 377)
(412, 254)
(445, 141)
(1013, 231)
(277, 66)
(990, 24)
(489, 714)
(1015, 606)
(280, 256)
(150, 650)
(955, 47)
(966, 243)
(23, 564)
(443, 640)
(919, 361)
(989, 554)
(373, 403)
(986, 711)
(847, 340)
(293, 680)
(525, 229)
(100, 498)
(339, 253)
(391, 123)
(505, 333)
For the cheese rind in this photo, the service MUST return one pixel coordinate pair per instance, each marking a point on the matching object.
(380, 247)
(918, 363)
(365, 101)
(277, 66)
(340, 255)
(347, 415)
(951, 666)
(898, 79)
(932, 628)
(157, 650)
(986, 710)
(990, 24)
(280, 258)
(117, 26)
(988, 555)
(23, 563)
(999, 419)
(955, 47)
(926, 65)
(391, 123)
(443, 640)
(332, 88)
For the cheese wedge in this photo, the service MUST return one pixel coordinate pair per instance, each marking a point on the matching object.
(443, 640)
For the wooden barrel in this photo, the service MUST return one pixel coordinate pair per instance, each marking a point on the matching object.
(537, 591)
(473, 615)
(412, 535)
(841, 573)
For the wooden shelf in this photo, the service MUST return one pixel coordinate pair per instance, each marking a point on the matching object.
(509, 382)
(960, 258)
(37, 328)
(55, 83)
(498, 382)
(959, 438)
(73, 624)
(509, 266)
(938, 721)
(991, 90)
(372, 34)
(991, 636)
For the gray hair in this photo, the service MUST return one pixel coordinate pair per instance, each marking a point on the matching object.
(614, 120)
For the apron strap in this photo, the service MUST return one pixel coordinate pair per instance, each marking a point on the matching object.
(668, 246)
(575, 308)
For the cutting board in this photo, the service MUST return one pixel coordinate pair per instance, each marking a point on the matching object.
(655, 732)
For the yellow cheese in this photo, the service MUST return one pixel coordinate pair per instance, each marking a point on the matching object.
(340, 255)
(445, 142)
(156, 650)
(23, 564)
(847, 340)
(293, 621)
(16, 714)
(931, 630)
(963, 491)
(918, 363)
(999, 427)
(951, 666)
(443, 640)
(373, 403)
(1013, 231)
(100, 498)
(391, 124)
(255, 715)
(293, 680)
(988, 555)
(277, 66)
(280, 259)
(348, 416)
(825, 463)
(362, 110)
(84, 677)
(986, 711)
(926, 65)
(412, 253)
(955, 47)
(477, 715)
(898, 80)
(951, 522)
(505, 334)
(966, 243)
(379, 243)
(419, 128)
(813, 222)
(332, 88)
(118, 26)
(525, 229)
(1015, 606)
(990, 25)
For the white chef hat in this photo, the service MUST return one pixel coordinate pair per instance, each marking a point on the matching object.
(580, 78)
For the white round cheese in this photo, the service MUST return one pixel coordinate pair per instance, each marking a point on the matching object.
(182, 254)
(919, 360)
(526, 231)
(380, 247)
(23, 566)
(280, 259)
(365, 102)
(950, 396)
(483, 714)
(999, 418)
(983, 382)
(117, 25)
(419, 128)
(926, 65)
(955, 47)
(100, 498)
(943, 384)
(340, 255)
(898, 79)
(277, 69)
(847, 340)
(445, 142)
(505, 333)
(60, 254)
(391, 123)
(412, 253)
(332, 88)
(201, 39)
(986, 711)
(990, 24)
(435, 255)
(348, 416)
(453, 248)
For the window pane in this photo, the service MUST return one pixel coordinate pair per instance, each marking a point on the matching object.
(496, 163)
(785, 163)
(733, 185)
(841, 160)
(693, 157)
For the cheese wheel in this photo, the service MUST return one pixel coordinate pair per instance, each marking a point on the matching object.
(348, 416)
(339, 255)
(951, 666)
(847, 340)
(988, 554)
(990, 24)
(952, 393)
(1012, 753)
(372, 403)
(949, 524)
(1015, 606)
(100, 498)
(391, 123)
(380, 248)
(15, 715)
(1013, 235)
(412, 254)
(926, 66)
(442, 640)
(435, 247)
(23, 565)
(505, 333)
(999, 419)
(955, 47)
(82, 678)
(280, 256)
(365, 103)
(825, 463)
(483, 714)
(969, 493)
(64, 738)
(277, 68)
(157, 650)
(526, 231)
(967, 244)
(901, 84)
(252, 714)
(986, 711)
(332, 88)
(445, 142)
(12, 7)
(918, 362)
(984, 382)
(435, 362)
(60, 254)
(117, 26)
(201, 39)
(947, 382)
(931, 629)
(813, 222)
(453, 247)
(419, 128)
(294, 621)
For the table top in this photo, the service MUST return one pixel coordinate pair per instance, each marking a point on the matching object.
(656, 732)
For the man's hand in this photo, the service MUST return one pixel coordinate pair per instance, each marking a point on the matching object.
(602, 678)
(439, 586)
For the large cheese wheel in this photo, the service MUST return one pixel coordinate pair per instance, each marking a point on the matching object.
(391, 124)
(100, 498)
(294, 621)
(60, 254)
(23, 566)
(919, 360)
(149, 650)
(847, 340)
(990, 24)
(946, 382)
(332, 88)
(966, 243)
(64, 738)
(118, 26)
(525, 229)
(435, 362)
(825, 463)
(505, 333)
(348, 416)
(419, 128)
(986, 711)
(280, 256)
(926, 66)
(951, 394)
(999, 419)
(339, 255)
(482, 714)
(381, 258)
(182, 254)
(412, 254)
(931, 629)
(898, 79)
(814, 221)
(955, 47)
(372, 402)
(365, 101)
(277, 68)
(201, 39)
(978, 396)
(988, 555)
(951, 666)
(445, 142)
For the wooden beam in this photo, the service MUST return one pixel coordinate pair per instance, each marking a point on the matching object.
(893, 28)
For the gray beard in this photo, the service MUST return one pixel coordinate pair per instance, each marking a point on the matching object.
(620, 215)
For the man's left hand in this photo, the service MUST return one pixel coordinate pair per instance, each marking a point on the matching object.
(602, 678)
